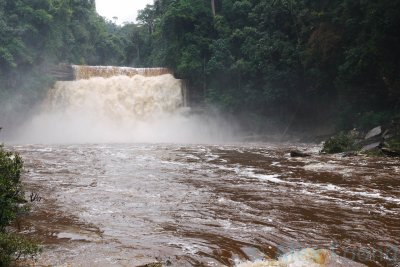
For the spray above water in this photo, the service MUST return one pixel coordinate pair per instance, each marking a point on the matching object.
(124, 108)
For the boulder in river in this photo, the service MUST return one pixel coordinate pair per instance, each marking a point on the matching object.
(349, 154)
(374, 132)
(390, 153)
(154, 264)
(298, 154)
(371, 146)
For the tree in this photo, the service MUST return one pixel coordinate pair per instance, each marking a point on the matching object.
(282, 56)
(213, 7)
(12, 246)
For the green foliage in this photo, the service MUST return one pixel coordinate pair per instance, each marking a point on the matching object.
(291, 56)
(317, 59)
(13, 247)
(394, 143)
(11, 195)
(371, 119)
(12, 201)
(34, 35)
(342, 142)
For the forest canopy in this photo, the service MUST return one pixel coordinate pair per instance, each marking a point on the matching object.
(336, 61)
(318, 59)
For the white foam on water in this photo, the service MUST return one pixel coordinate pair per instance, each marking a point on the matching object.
(304, 258)
(345, 191)
(250, 173)
(322, 166)
(268, 177)
(319, 187)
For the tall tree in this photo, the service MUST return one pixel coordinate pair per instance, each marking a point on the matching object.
(213, 7)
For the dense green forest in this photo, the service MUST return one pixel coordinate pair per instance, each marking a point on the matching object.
(36, 34)
(301, 60)
(319, 60)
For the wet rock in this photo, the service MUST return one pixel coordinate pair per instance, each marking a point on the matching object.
(390, 153)
(356, 134)
(372, 140)
(158, 263)
(153, 264)
(298, 154)
(349, 154)
(371, 146)
(374, 132)
(262, 263)
(385, 133)
(388, 136)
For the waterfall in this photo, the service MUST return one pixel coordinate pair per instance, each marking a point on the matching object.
(119, 98)
(113, 104)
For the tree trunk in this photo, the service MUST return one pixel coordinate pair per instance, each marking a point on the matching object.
(213, 7)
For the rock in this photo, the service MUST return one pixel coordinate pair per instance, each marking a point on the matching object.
(374, 132)
(154, 264)
(61, 72)
(390, 153)
(349, 154)
(387, 134)
(385, 144)
(298, 154)
(371, 146)
(355, 134)
(366, 142)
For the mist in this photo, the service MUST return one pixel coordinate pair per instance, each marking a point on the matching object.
(121, 109)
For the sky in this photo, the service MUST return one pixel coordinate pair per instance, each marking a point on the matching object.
(125, 10)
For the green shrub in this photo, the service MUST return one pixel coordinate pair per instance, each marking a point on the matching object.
(12, 246)
(369, 120)
(11, 194)
(341, 142)
(394, 143)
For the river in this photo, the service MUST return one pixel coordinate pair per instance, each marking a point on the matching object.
(135, 196)
(208, 205)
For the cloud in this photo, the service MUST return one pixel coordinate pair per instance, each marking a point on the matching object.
(124, 10)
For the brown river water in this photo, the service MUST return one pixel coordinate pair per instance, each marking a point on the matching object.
(208, 205)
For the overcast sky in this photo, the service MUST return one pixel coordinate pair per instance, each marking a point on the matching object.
(125, 10)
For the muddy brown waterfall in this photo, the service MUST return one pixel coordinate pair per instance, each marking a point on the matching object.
(120, 104)
(129, 176)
